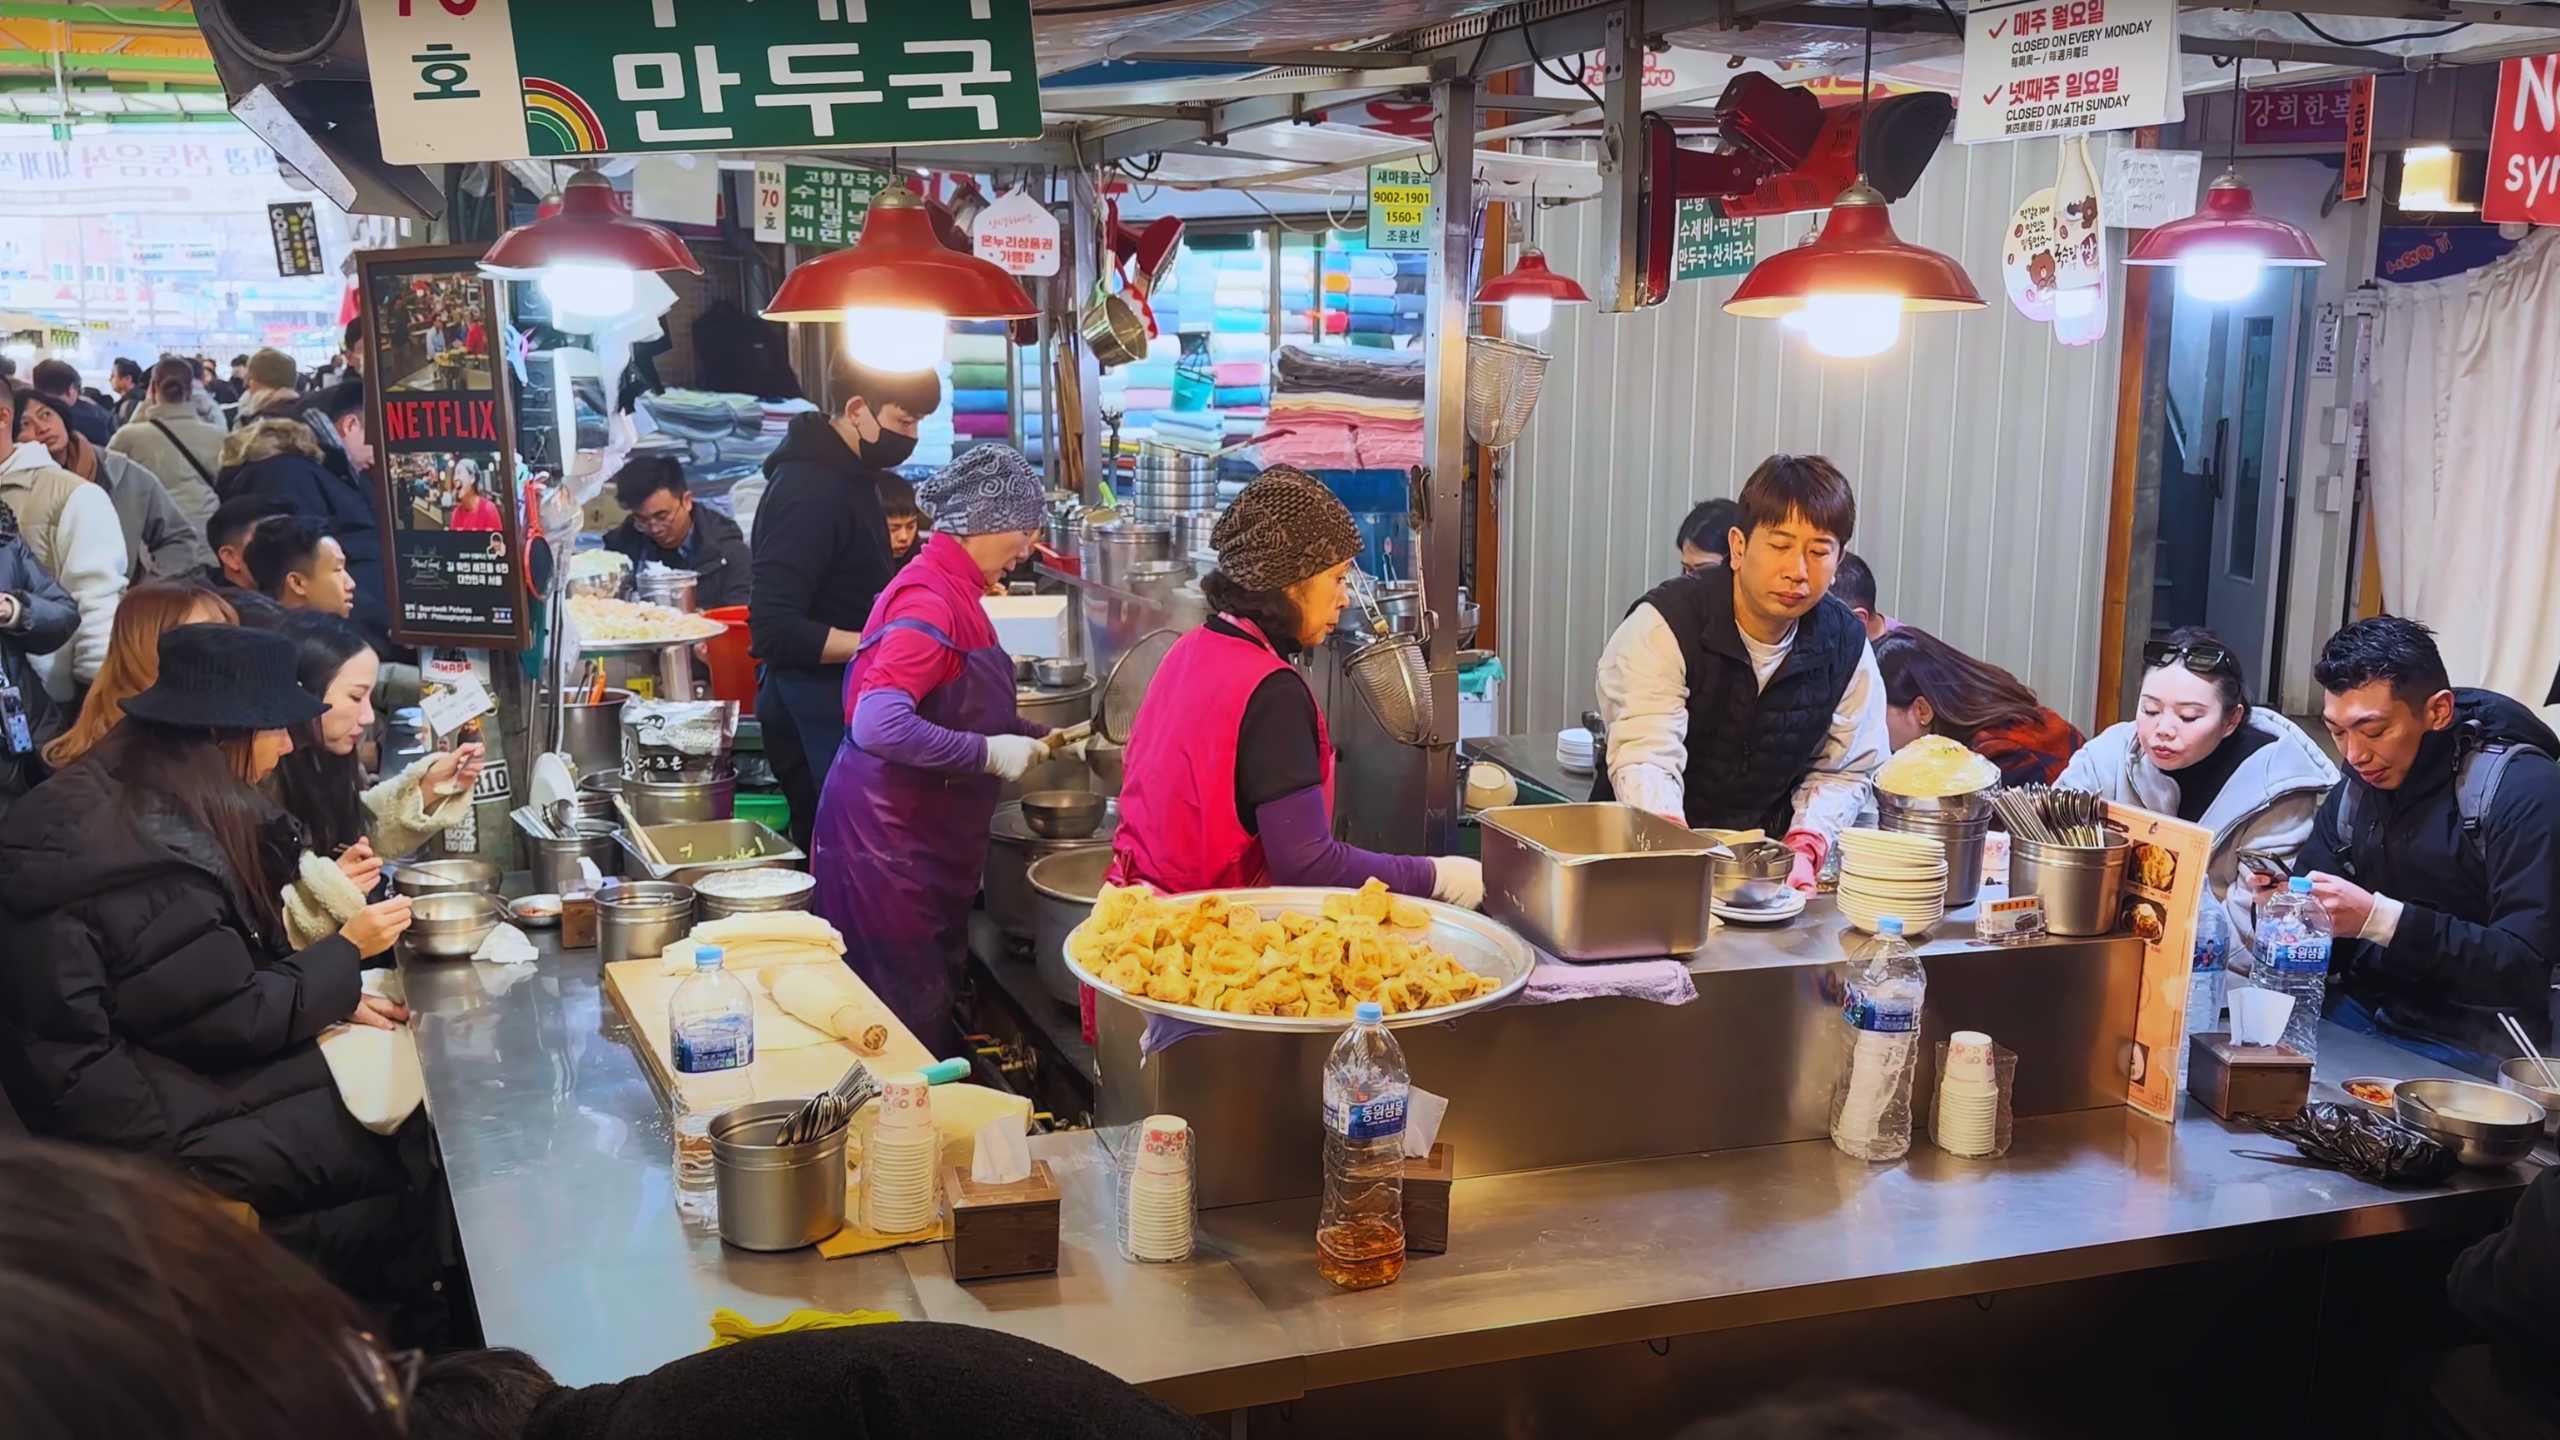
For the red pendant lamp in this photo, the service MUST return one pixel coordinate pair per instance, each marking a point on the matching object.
(2225, 248)
(1530, 293)
(897, 286)
(586, 252)
(1849, 286)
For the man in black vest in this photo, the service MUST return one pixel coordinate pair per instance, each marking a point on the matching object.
(1745, 697)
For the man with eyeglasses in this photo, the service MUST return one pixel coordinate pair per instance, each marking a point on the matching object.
(2434, 855)
(667, 528)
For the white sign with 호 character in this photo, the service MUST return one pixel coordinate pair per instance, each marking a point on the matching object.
(2052, 67)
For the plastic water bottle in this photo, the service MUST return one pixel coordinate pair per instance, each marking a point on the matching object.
(1360, 1235)
(1871, 1106)
(711, 1020)
(2293, 957)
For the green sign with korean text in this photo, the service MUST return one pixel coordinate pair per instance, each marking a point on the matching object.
(1399, 208)
(469, 80)
(1704, 244)
(816, 205)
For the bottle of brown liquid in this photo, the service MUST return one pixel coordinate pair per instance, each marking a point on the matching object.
(1360, 1233)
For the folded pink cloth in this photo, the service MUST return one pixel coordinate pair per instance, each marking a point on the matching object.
(1664, 982)
(1242, 372)
(981, 426)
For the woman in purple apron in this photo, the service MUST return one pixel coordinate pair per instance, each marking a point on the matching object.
(901, 833)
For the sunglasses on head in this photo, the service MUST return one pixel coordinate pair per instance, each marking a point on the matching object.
(2204, 659)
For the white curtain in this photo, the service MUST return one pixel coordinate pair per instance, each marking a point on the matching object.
(2466, 465)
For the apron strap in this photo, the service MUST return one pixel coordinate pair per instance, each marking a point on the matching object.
(920, 627)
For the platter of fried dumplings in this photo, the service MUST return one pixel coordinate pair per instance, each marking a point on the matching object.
(1294, 960)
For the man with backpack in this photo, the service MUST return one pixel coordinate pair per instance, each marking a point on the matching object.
(2435, 853)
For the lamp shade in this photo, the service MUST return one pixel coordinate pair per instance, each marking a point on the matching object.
(2228, 225)
(588, 230)
(1532, 280)
(1856, 254)
(897, 263)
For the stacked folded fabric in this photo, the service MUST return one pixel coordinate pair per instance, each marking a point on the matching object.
(1344, 411)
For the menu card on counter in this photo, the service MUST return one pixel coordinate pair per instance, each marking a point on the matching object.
(2164, 882)
(443, 431)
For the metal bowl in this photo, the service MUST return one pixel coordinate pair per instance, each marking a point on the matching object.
(2525, 1078)
(451, 924)
(1024, 667)
(1756, 876)
(1108, 761)
(1058, 672)
(2388, 1085)
(2485, 1127)
(458, 876)
(1062, 814)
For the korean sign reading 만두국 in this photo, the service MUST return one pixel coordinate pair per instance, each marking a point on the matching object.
(463, 80)
(1399, 208)
(1703, 244)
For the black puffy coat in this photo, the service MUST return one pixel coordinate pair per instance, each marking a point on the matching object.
(46, 620)
(333, 495)
(140, 1010)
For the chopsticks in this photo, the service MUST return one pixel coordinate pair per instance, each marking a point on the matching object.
(2524, 1042)
(2050, 815)
(647, 847)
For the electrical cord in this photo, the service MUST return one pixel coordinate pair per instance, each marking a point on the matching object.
(2307, 23)
(1529, 39)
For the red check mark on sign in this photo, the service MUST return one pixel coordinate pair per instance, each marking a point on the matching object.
(1991, 95)
(1996, 29)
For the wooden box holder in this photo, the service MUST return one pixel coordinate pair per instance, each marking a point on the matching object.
(1426, 1201)
(1001, 1229)
(2235, 1080)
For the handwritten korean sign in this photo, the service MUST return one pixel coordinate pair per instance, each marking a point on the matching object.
(1399, 208)
(297, 235)
(466, 80)
(2051, 67)
(1703, 243)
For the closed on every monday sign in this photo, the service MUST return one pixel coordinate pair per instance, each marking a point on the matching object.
(466, 80)
(2055, 67)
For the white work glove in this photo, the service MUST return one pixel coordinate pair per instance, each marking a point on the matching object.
(1009, 755)
(1457, 880)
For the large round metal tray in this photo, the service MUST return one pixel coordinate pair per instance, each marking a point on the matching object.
(635, 647)
(1482, 945)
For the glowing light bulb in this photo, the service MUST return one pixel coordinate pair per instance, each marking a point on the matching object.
(1849, 327)
(893, 340)
(581, 288)
(2215, 276)
(1529, 314)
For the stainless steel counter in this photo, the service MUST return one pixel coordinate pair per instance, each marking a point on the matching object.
(558, 1155)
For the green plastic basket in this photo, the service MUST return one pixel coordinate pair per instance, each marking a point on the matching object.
(768, 809)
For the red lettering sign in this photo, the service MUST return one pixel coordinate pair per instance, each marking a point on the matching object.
(2524, 144)
(2358, 173)
(404, 420)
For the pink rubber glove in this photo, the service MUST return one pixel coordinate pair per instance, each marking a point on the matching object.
(1810, 848)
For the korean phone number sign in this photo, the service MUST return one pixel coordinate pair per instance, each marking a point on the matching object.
(2054, 67)
(1704, 243)
(816, 205)
(466, 80)
(1399, 208)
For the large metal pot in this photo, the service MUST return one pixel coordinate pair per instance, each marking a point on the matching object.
(1111, 548)
(1012, 850)
(1063, 887)
(555, 858)
(639, 919)
(1959, 823)
(592, 733)
(677, 802)
(1056, 707)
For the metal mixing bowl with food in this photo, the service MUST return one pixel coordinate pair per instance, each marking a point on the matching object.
(2524, 1076)
(452, 924)
(1062, 814)
(2485, 1127)
(1058, 672)
(1756, 876)
(458, 876)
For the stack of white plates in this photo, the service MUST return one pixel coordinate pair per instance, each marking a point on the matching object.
(1573, 750)
(898, 1163)
(1156, 1214)
(1885, 872)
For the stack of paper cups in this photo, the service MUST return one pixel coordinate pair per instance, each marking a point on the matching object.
(1968, 1110)
(899, 1161)
(1155, 1213)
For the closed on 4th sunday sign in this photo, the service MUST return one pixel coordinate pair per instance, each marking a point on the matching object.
(464, 80)
(2052, 67)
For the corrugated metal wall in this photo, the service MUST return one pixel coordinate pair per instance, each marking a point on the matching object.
(1980, 449)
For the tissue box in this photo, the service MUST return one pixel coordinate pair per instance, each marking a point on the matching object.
(1426, 1201)
(2233, 1080)
(1001, 1229)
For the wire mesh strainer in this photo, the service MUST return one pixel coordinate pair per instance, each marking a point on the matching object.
(1503, 379)
(1395, 683)
(1116, 713)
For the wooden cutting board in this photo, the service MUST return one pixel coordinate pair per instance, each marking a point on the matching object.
(640, 989)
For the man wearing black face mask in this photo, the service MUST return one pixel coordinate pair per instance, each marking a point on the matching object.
(820, 554)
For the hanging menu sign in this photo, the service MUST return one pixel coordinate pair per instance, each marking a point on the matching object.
(1018, 235)
(1704, 243)
(296, 229)
(440, 419)
(821, 206)
(2164, 887)
(1399, 208)
(2356, 177)
(469, 80)
(2050, 67)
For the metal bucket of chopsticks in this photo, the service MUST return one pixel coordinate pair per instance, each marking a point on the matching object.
(776, 1197)
(2082, 885)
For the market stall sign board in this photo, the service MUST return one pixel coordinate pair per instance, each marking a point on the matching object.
(469, 80)
(2524, 144)
(822, 206)
(2303, 115)
(1704, 243)
(439, 410)
(296, 229)
(1399, 208)
(2052, 67)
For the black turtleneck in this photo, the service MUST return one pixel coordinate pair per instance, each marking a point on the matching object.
(2200, 784)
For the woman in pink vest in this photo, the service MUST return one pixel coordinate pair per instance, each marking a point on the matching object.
(1230, 768)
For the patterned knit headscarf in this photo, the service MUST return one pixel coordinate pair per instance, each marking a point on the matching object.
(990, 490)
(1285, 527)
